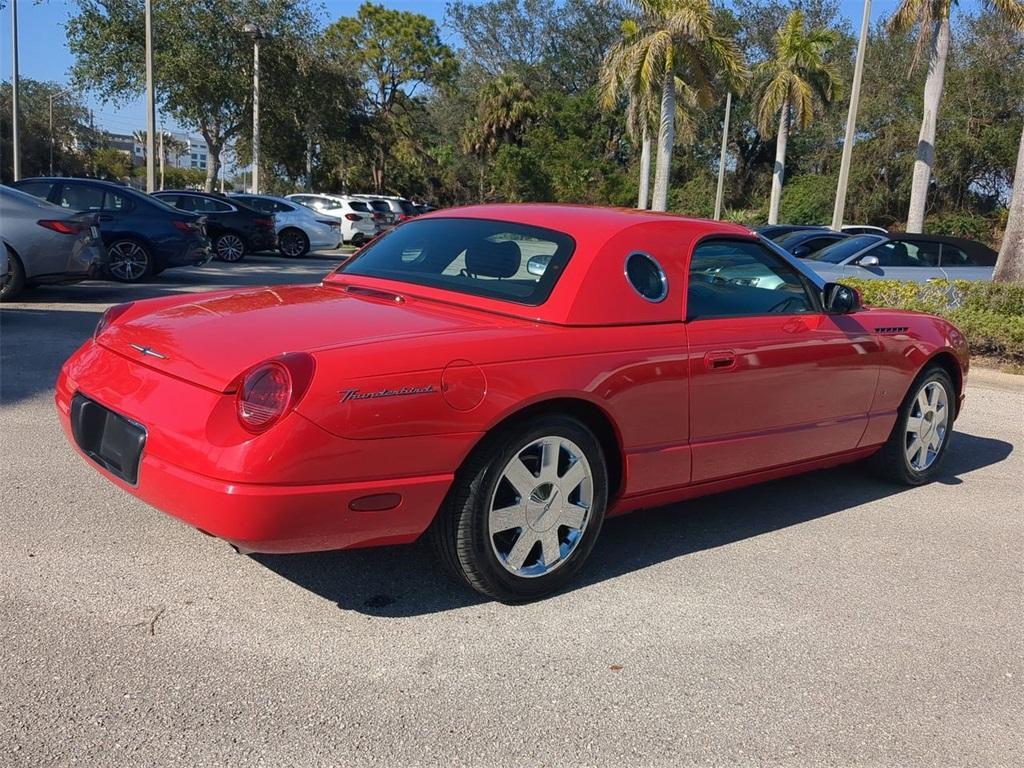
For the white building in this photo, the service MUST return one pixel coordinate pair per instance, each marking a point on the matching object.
(194, 156)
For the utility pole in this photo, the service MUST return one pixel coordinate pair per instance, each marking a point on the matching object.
(15, 139)
(161, 154)
(150, 104)
(256, 34)
(721, 158)
(851, 122)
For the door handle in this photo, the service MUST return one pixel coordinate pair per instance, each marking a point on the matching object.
(105, 217)
(724, 360)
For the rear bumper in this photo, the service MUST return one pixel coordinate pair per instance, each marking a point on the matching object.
(297, 488)
(282, 518)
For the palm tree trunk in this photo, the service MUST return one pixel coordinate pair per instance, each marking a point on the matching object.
(666, 140)
(1010, 264)
(645, 171)
(937, 55)
(780, 164)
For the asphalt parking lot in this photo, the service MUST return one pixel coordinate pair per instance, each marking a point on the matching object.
(825, 620)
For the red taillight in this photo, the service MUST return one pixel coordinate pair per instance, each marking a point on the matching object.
(378, 216)
(352, 217)
(403, 217)
(188, 227)
(64, 227)
(268, 391)
(110, 316)
(264, 223)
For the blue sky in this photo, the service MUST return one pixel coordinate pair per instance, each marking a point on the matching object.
(44, 53)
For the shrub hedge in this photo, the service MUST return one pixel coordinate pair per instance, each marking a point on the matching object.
(990, 315)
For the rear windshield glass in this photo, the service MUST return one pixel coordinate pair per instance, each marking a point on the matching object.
(841, 250)
(380, 205)
(407, 208)
(494, 259)
(355, 205)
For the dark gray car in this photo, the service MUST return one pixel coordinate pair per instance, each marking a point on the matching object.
(45, 244)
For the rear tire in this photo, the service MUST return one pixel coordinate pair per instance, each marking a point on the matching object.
(525, 510)
(130, 261)
(293, 243)
(230, 247)
(917, 445)
(13, 283)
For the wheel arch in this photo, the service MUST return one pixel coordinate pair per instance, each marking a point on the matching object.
(947, 361)
(592, 416)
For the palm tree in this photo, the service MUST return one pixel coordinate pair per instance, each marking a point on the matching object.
(932, 19)
(671, 51)
(796, 81)
(642, 103)
(1010, 264)
(505, 109)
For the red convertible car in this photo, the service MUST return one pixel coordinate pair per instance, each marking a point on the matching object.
(505, 377)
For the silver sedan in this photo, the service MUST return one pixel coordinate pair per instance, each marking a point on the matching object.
(45, 244)
(911, 258)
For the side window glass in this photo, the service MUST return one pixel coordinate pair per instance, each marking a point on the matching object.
(737, 279)
(116, 203)
(79, 197)
(922, 254)
(954, 257)
(40, 189)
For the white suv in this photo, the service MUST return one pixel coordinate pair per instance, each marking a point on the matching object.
(356, 217)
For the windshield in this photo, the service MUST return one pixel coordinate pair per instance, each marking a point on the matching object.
(841, 250)
(407, 208)
(494, 259)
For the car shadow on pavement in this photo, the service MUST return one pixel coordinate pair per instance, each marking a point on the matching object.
(398, 582)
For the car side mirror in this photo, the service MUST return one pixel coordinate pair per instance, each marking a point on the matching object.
(868, 261)
(538, 265)
(840, 299)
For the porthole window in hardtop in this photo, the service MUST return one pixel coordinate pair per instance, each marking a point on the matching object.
(646, 276)
(481, 257)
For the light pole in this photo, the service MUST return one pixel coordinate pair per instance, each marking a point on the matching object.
(150, 104)
(851, 122)
(721, 159)
(53, 96)
(15, 149)
(257, 34)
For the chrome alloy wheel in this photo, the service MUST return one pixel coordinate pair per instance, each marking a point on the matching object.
(927, 424)
(128, 260)
(230, 247)
(540, 507)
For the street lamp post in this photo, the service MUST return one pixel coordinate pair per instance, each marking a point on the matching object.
(257, 34)
(150, 104)
(15, 142)
(53, 96)
(719, 193)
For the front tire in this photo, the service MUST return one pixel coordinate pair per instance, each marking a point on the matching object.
(229, 247)
(130, 261)
(917, 445)
(525, 510)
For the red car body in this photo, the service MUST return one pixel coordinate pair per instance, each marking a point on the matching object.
(409, 378)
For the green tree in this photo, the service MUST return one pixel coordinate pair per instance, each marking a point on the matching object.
(673, 48)
(932, 20)
(396, 54)
(793, 84)
(70, 136)
(202, 58)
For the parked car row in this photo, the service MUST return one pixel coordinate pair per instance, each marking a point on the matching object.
(872, 253)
